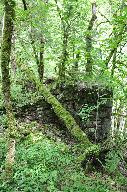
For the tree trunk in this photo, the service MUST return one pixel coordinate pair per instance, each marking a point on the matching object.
(13, 56)
(39, 57)
(65, 116)
(64, 57)
(5, 60)
(74, 72)
(118, 33)
(114, 63)
(89, 59)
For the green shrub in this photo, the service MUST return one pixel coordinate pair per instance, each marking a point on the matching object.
(3, 121)
(115, 159)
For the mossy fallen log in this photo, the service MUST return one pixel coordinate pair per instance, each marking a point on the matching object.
(65, 116)
(87, 147)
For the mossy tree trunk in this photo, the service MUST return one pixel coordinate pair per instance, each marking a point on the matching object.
(87, 147)
(9, 6)
(119, 29)
(89, 40)
(64, 55)
(39, 56)
(75, 68)
(65, 116)
(41, 59)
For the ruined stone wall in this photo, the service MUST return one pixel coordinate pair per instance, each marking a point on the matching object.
(91, 106)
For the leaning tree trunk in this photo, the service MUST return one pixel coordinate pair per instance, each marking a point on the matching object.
(86, 146)
(5, 60)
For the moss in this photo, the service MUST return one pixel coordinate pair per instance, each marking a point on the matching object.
(5, 60)
(5, 57)
(92, 150)
(81, 136)
(65, 116)
(62, 113)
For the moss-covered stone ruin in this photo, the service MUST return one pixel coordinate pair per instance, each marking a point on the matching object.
(91, 106)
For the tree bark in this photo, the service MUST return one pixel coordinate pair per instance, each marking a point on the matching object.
(65, 116)
(75, 68)
(89, 59)
(117, 40)
(77, 60)
(64, 55)
(39, 57)
(62, 65)
(113, 63)
(118, 32)
(13, 56)
(9, 6)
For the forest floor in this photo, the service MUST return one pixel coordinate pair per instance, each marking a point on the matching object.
(46, 161)
(46, 157)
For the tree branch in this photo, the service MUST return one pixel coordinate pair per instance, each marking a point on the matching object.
(24, 4)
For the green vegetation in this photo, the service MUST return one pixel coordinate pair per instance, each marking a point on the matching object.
(63, 95)
(45, 165)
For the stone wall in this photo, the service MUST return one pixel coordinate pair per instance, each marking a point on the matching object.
(91, 106)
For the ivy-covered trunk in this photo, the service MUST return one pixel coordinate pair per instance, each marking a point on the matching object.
(9, 6)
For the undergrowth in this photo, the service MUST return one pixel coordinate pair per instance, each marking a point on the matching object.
(43, 165)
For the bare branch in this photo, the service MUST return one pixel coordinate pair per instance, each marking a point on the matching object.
(104, 17)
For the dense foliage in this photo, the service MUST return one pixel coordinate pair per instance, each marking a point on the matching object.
(47, 165)
(63, 68)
